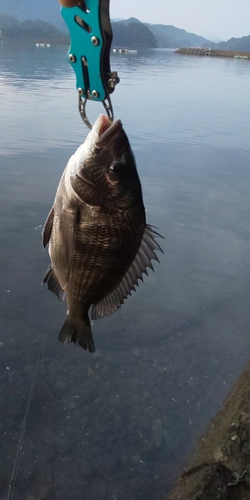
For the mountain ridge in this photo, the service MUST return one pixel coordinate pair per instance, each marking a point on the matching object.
(147, 35)
(168, 36)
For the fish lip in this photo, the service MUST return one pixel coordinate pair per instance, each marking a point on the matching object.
(109, 133)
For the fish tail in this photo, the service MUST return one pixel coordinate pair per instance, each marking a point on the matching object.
(75, 331)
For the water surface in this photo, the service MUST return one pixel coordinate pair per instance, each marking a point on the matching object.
(121, 423)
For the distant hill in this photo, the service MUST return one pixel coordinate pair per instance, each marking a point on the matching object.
(128, 21)
(172, 37)
(11, 27)
(35, 10)
(131, 33)
(240, 44)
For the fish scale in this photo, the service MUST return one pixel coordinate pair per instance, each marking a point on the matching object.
(90, 272)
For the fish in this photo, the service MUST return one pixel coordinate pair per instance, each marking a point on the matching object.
(98, 240)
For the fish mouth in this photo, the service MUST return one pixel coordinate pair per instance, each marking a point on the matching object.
(107, 131)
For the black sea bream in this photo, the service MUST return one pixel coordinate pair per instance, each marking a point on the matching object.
(99, 242)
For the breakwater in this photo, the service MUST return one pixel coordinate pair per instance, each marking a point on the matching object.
(201, 51)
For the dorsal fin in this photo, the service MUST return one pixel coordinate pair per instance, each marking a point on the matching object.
(48, 227)
(141, 262)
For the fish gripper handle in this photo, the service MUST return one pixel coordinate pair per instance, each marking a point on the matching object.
(89, 53)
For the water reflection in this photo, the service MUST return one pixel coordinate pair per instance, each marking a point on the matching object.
(22, 61)
(120, 424)
(177, 99)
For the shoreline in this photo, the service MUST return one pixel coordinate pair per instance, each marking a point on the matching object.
(202, 51)
(219, 466)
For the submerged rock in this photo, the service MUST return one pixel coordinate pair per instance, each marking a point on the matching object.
(62, 444)
(136, 352)
(107, 462)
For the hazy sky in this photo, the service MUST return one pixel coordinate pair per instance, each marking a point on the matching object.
(220, 19)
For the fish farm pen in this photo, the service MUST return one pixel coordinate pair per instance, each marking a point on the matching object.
(201, 51)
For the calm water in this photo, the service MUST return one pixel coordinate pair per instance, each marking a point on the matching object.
(120, 424)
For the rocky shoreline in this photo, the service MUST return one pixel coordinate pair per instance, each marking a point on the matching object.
(219, 469)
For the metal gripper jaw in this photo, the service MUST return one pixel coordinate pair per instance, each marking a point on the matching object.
(89, 53)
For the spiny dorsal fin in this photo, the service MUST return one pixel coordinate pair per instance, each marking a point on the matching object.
(53, 284)
(141, 262)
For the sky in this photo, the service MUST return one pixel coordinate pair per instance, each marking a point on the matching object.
(220, 19)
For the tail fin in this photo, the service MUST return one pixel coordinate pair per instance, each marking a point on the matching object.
(75, 331)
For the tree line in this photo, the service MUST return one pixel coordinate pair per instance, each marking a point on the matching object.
(132, 35)
(11, 27)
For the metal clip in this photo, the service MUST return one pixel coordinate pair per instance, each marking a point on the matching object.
(82, 101)
(89, 52)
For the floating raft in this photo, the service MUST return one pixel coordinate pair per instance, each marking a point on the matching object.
(201, 51)
(125, 51)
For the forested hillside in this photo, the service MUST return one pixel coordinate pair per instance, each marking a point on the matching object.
(133, 34)
(240, 44)
(11, 27)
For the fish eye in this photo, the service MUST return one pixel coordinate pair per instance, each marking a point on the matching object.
(115, 171)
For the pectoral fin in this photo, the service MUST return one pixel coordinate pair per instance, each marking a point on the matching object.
(67, 227)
